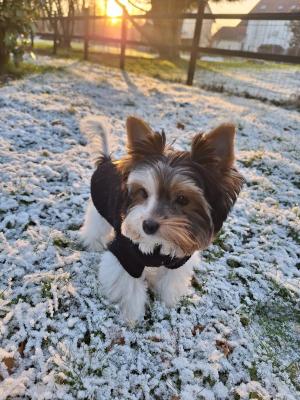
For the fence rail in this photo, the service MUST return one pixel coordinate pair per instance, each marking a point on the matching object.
(193, 49)
(252, 16)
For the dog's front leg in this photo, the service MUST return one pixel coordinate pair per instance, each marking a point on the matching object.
(121, 288)
(171, 284)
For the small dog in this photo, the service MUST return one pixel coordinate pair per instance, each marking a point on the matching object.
(156, 207)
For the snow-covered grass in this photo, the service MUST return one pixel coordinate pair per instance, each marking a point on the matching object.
(10, 71)
(235, 337)
(270, 82)
(276, 83)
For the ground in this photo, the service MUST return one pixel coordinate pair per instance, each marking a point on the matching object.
(267, 81)
(236, 336)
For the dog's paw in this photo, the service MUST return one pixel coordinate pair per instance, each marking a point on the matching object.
(170, 297)
(171, 284)
(170, 292)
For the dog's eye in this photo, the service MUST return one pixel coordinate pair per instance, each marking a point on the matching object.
(182, 200)
(142, 192)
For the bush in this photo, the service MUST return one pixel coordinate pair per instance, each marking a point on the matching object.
(16, 23)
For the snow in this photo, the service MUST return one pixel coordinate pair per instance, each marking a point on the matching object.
(236, 336)
(275, 84)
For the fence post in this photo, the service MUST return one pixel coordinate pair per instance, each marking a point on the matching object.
(31, 40)
(55, 36)
(123, 39)
(86, 33)
(196, 40)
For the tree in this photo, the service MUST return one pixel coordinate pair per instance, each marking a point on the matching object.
(63, 8)
(16, 21)
(169, 30)
(166, 31)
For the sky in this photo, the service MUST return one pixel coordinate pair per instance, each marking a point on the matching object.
(239, 7)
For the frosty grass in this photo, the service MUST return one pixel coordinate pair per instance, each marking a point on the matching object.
(237, 336)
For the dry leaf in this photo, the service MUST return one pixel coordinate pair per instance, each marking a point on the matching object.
(197, 328)
(120, 341)
(180, 125)
(155, 339)
(224, 346)
(9, 363)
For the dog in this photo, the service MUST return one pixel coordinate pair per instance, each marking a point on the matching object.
(156, 207)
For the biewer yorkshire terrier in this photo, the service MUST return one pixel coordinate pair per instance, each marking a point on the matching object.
(156, 207)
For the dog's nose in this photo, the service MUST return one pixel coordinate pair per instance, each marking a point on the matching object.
(150, 226)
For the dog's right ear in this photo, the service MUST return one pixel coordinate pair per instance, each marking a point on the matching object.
(141, 140)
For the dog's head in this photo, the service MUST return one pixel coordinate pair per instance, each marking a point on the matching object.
(177, 199)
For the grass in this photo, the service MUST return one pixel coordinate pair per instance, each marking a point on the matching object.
(279, 325)
(157, 68)
(145, 64)
(275, 325)
(26, 68)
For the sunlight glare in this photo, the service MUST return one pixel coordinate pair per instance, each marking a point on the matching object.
(113, 11)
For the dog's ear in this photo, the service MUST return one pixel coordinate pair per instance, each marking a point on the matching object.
(214, 154)
(141, 140)
(217, 144)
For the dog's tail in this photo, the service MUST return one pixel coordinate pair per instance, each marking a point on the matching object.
(95, 128)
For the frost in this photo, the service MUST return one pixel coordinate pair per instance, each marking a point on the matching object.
(237, 334)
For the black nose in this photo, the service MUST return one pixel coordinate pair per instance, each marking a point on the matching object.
(150, 226)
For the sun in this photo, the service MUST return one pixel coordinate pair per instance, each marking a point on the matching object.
(113, 10)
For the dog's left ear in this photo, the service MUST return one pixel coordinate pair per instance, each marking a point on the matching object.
(217, 144)
(214, 154)
(141, 140)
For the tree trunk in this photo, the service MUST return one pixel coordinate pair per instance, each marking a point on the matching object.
(167, 31)
(4, 53)
(65, 42)
(67, 28)
(170, 31)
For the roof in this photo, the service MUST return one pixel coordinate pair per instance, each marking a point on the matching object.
(276, 6)
(236, 33)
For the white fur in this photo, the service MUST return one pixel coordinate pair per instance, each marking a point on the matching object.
(96, 232)
(95, 127)
(116, 284)
(171, 284)
(132, 226)
(121, 288)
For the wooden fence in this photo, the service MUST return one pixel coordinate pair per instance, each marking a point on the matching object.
(194, 49)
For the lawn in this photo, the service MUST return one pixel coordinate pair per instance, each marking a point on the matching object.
(275, 83)
(236, 336)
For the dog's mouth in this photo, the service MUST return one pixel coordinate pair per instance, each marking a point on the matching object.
(157, 249)
(153, 244)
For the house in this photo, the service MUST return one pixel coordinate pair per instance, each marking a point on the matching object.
(260, 35)
(230, 38)
(270, 36)
(188, 27)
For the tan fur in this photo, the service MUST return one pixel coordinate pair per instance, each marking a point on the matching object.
(177, 230)
(205, 176)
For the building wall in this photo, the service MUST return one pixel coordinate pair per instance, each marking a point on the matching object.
(270, 33)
